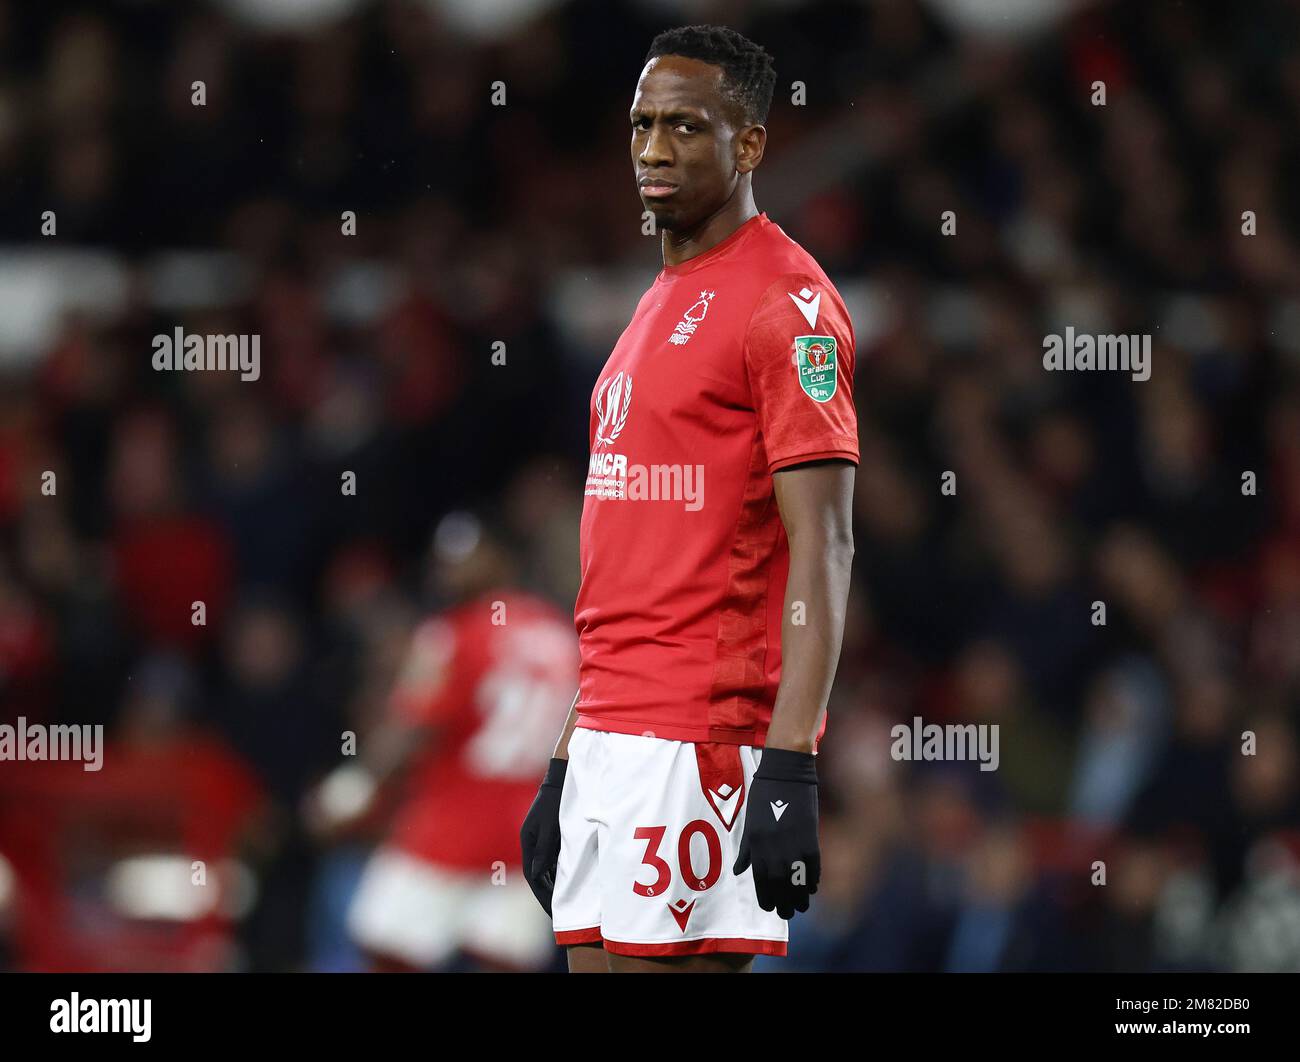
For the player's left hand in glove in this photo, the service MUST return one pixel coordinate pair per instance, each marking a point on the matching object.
(540, 836)
(780, 835)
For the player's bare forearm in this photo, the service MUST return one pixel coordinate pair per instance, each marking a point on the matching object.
(390, 749)
(562, 746)
(816, 504)
(347, 794)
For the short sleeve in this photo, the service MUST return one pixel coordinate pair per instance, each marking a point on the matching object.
(427, 686)
(799, 354)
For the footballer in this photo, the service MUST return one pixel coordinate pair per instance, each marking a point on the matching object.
(460, 745)
(676, 828)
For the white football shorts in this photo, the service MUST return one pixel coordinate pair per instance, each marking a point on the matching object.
(650, 830)
(423, 914)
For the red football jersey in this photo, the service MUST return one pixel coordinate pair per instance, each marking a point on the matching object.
(496, 677)
(737, 363)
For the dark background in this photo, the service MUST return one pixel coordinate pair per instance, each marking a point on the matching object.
(477, 224)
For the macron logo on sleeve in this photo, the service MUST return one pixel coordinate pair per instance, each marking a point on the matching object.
(808, 304)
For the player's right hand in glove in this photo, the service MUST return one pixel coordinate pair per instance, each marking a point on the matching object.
(780, 835)
(540, 836)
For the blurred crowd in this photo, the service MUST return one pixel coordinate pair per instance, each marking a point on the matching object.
(1125, 829)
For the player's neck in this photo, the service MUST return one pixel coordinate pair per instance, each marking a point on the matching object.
(679, 247)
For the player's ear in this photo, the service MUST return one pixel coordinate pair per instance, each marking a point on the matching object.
(750, 145)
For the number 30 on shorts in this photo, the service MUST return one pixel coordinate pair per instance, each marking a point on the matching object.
(654, 836)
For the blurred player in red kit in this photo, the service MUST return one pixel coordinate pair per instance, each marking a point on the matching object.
(676, 827)
(484, 688)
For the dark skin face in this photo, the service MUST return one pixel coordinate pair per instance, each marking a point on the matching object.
(686, 134)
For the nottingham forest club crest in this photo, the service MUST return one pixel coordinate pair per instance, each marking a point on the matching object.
(685, 328)
(814, 361)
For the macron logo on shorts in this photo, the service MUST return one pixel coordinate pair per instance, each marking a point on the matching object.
(778, 808)
(726, 802)
(681, 912)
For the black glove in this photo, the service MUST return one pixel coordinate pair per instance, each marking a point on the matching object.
(780, 835)
(540, 836)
